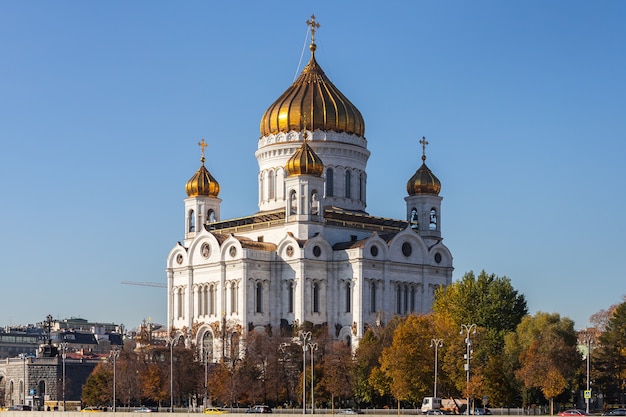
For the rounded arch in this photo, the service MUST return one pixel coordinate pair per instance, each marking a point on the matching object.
(345, 335)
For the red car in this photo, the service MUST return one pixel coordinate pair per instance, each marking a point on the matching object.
(573, 412)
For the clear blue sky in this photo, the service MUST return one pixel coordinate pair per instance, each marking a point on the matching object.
(102, 105)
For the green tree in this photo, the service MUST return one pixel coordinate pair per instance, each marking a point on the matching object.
(97, 388)
(496, 308)
(367, 356)
(610, 356)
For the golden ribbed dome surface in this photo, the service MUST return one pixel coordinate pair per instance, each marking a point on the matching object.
(304, 162)
(202, 183)
(423, 182)
(312, 102)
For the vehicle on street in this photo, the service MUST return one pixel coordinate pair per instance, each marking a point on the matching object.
(20, 407)
(143, 410)
(256, 409)
(434, 413)
(430, 403)
(573, 412)
(615, 412)
(350, 411)
(214, 410)
(481, 412)
(91, 410)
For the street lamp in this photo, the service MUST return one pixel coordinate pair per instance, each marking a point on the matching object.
(23, 356)
(436, 343)
(588, 340)
(115, 353)
(63, 346)
(468, 329)
(313, 347)
(171, 342)
(304, 338)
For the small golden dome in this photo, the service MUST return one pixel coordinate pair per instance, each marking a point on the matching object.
(202, 182)
(314, 98)
(423, 181)
(304, 162)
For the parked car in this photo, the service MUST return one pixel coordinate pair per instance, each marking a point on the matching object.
(91, 409)
(20, 407)
(434, 413)
(615, 412)
(143, 410)
(481, 412)
(573, 412)
(350, 411)
(214, 410)
(259, 409)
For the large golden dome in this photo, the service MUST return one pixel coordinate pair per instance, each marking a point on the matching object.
(202, 183)
(314, 101)
(304, 162)
(423, 181)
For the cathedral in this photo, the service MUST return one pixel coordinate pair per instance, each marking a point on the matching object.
(311, 253)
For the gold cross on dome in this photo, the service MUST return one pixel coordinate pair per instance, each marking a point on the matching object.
(202, 144)
(424, 142)
(314, 25)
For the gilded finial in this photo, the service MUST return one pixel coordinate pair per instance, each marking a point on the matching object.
(314, 26)
(202, 144)
(424, 142)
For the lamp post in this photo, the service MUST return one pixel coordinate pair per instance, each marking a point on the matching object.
(115, 353)
(436, 343)
(313, 347)
(206, 376)
(588, 340)
(468, 329)
(23, 356)
(304, 338)
(171, 341)
(63, 346)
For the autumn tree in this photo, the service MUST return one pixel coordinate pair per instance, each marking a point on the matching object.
(371, 345)
(408, 364)
(544, 349)
(338, 371)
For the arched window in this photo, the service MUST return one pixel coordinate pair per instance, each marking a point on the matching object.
(315, 203)
(271, 184)
(348, 183)
(290, 290)
(181, 303)
(398, 299)
(200, 300)
(206, 300)
(233, 298)
(405, 304)
(212, 296)
(348, 297)
(316, 298)
(192, 221)
(207, 347)
(361, 187)
(330, 183)
(414, 220)
(293, 203)
(433, 219)
(259, 297)
(412, 299)
(373, 297)
(210, 216)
